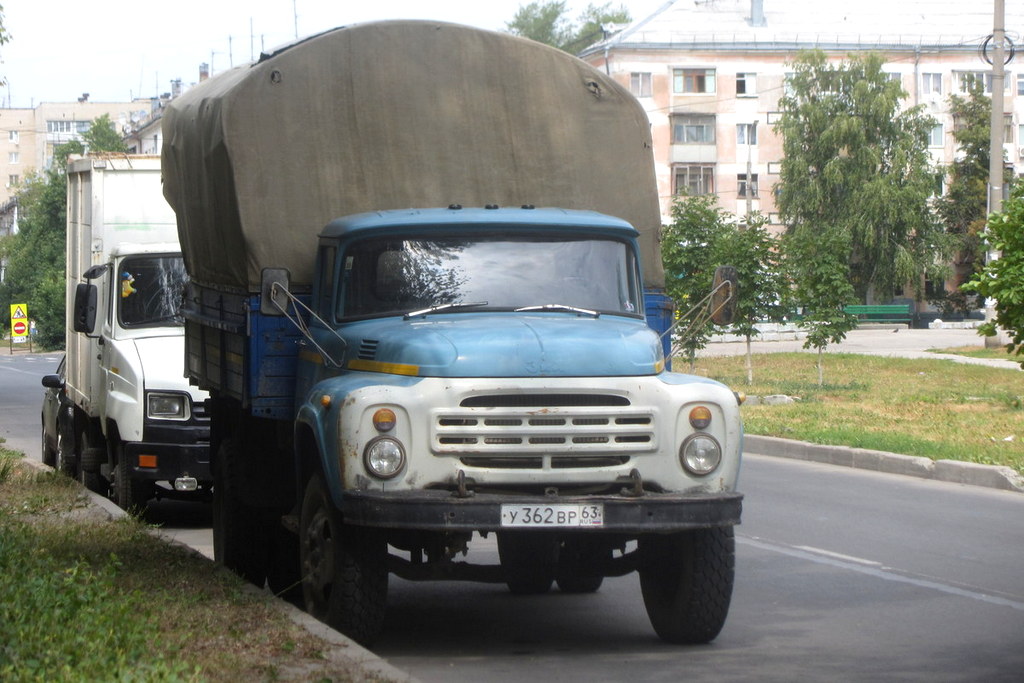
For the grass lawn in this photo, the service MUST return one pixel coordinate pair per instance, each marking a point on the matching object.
(85, 598)
(937, 409)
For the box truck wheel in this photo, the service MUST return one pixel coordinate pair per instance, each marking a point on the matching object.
(239, 531)
(529, 560)
(94, 454)
(344, 568)
(129, 493)
(66, 458)
(686, 579)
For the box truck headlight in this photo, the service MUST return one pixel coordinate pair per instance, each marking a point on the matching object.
(700, 454)
(167, 406)
(384, 457)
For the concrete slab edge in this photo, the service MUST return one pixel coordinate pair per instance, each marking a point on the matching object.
(953, 471)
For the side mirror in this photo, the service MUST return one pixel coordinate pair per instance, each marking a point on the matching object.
(85, 308)
(273, 291)
(53, 382)
(724, 290)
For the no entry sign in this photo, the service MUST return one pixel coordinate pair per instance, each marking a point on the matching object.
(19, 323)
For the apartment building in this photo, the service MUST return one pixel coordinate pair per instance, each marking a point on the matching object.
(710, 74)
(29, 136)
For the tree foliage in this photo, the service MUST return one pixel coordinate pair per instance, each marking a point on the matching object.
(854, 162)
(4, 38)
(819, 265)
(703, 236)
(1002, 279)
(546, 22)
(102, 136)
(36, 254)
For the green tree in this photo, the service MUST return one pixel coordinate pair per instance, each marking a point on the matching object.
(546, 22)
(703, 236)
(854, 162)
(964, 206)
(763, 286)
(1002, 279)
(4, 38)
(819, 265)
(102, 136)
(35, 256)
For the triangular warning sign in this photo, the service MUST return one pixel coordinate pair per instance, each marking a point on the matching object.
(18, 312)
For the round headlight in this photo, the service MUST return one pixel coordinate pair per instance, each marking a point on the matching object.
(700, 454)
(384, 458)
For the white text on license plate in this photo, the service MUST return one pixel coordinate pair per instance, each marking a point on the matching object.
(552, 515)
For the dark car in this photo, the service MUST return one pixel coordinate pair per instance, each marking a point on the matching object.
(58, 424)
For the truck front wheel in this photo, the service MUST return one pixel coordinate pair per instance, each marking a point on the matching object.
(529, 560)
(344, 568)
(130, 494)
(686, 579)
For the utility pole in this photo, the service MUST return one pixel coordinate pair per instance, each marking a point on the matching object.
(995, 165)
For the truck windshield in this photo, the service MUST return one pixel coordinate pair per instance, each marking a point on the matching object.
(382, 276)
(150, 290)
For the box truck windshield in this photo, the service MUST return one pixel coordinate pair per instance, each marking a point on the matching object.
(151, 290)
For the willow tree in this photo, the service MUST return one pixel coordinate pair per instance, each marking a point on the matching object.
(857, 162)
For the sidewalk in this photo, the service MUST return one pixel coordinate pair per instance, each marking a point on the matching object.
(889, 341)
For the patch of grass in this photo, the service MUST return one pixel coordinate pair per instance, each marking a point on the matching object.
(83, 598)
(925, 407)
(999, 353)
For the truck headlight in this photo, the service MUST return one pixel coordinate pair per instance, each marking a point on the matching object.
(167, 406)
(384, 457)
(700, 454)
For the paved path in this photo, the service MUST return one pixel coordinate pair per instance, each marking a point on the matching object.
(901, 342)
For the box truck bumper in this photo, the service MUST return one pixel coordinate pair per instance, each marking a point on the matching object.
(627, 514)
(169, 462)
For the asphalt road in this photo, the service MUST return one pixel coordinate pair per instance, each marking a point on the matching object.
(841, 575)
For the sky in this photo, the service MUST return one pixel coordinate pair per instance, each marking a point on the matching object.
(116, 51)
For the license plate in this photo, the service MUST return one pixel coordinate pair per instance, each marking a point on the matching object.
(563, 515)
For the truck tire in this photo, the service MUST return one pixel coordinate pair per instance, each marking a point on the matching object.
(686, 579)
(130, 494)
(93, 456)
(529, 560)
(240, 534)
(344, 568)
(49, 454)
(66, 458)
(580, 563)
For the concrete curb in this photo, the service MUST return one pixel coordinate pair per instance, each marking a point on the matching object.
(952, 471)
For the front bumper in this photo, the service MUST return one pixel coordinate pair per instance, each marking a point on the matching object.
(173, 461)
(444, 511)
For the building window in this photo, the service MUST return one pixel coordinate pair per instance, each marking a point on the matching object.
(775, 167)
(14, 136)
(746, 133)
(746, 189)
(1007, 128)
(746, 85)
(12, 158)
(1020, 134)
(693, 129)
(964, 80)
(13, 180)
(937, 136)
(693, 179)
(64, 126)
(640, 84)
(693, 80)
(931, 84)
(1020, 84)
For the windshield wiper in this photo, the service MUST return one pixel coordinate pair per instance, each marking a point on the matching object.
(440, 308)
(560, 307)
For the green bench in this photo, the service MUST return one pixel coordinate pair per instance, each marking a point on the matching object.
(882, 313)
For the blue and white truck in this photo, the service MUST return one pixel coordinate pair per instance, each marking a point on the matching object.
(421, 257)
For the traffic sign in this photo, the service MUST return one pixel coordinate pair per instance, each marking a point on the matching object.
(19, 323)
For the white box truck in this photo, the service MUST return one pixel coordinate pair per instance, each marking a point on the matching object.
(137, 422)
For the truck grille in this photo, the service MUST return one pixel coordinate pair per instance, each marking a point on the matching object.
(517, 431)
